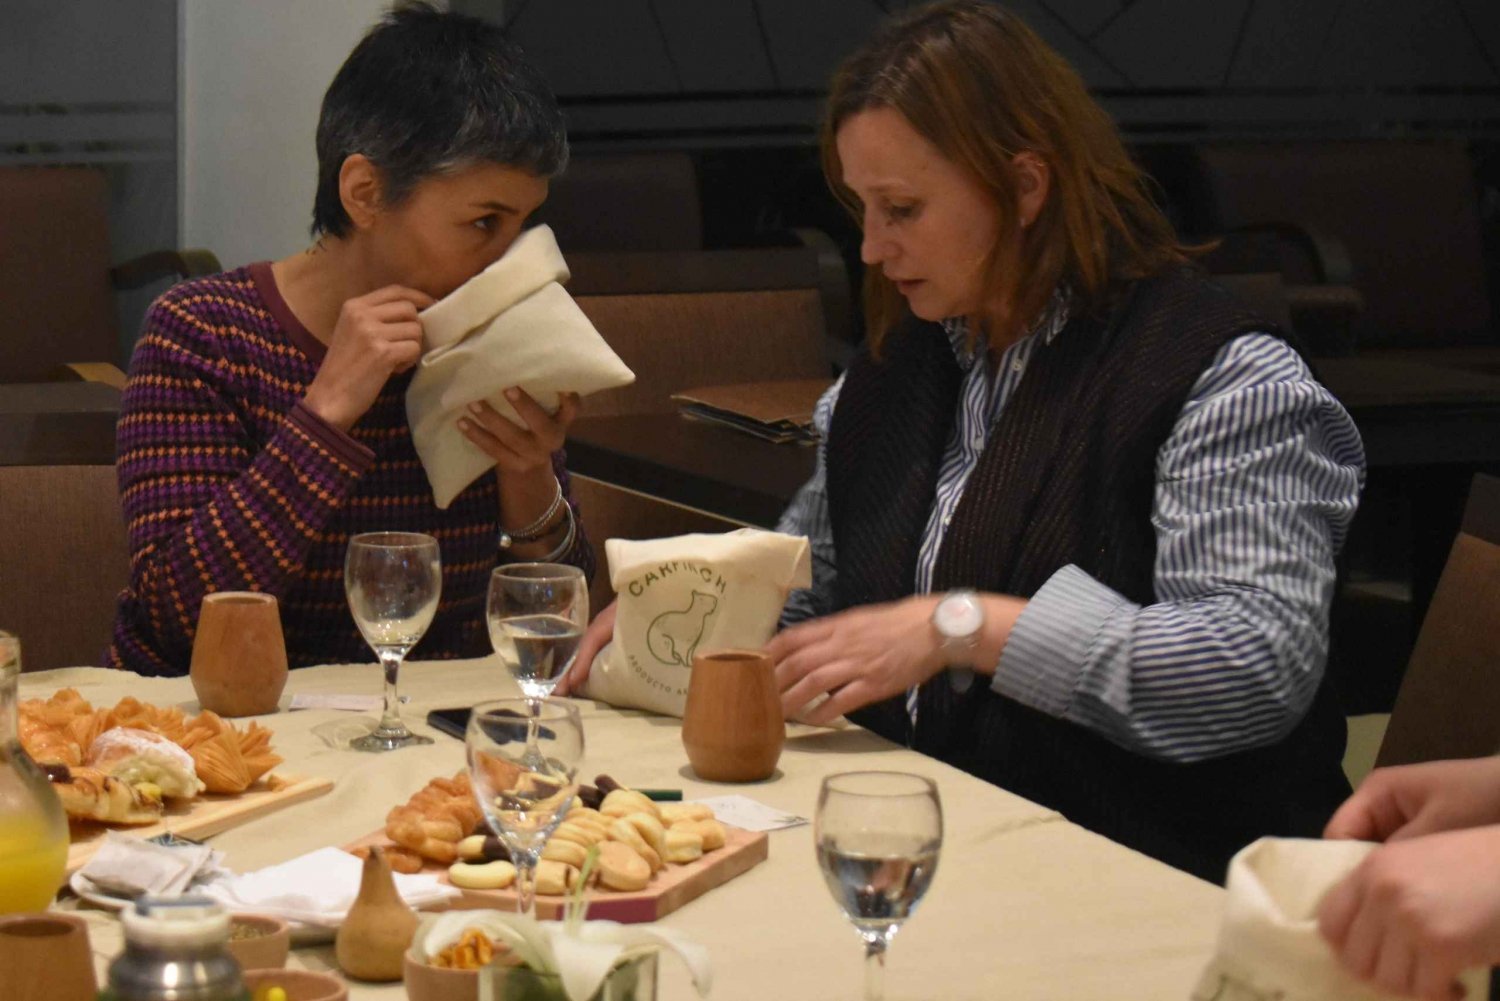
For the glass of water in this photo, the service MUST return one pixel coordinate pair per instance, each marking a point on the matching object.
(878, 835)
(537, 613)
(523, 756)
(393, 581)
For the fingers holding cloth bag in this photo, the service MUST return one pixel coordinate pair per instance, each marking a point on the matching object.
(690, 593)
(510, 325)
(1269, 944)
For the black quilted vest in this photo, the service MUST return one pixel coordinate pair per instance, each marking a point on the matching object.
(1067, 477)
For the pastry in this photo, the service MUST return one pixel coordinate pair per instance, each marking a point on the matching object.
(89, 794)
(624, 832)
(482, 875)
(671, 813)
(554, 878)
(682, 846)
(620, 868)
(711, 831)
(435, 819)
(568, 852)
(579, 833)
(623, 802)
(137, 756)
(649, 828)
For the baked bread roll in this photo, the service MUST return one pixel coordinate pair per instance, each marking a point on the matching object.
(89, 794)
(136, 756)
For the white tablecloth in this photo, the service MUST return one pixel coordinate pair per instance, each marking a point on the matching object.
(1024, 904)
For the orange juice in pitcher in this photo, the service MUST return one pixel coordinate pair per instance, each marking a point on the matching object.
(33, 827)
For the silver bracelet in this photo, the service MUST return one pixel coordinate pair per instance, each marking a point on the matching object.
(568, 540)
(533, 531)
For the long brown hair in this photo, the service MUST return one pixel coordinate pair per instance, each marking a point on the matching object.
(981, 86)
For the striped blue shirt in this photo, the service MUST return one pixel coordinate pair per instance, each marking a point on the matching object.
(1255, 489)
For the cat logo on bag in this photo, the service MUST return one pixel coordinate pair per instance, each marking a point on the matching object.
(672, 637)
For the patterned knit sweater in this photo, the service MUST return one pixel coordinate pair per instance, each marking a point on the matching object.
(229, 483)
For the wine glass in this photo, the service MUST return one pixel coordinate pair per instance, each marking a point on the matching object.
(524, 795)
(878, 835)
(537, 613)
(392, 580)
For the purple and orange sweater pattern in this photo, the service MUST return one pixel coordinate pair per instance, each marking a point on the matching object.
(229, 484)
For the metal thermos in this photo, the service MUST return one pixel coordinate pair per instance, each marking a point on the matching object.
(176, 949)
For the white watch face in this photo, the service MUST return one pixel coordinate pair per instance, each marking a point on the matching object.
(959, 616)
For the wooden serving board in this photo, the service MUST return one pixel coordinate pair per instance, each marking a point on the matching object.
(205, 815)
(671, 887)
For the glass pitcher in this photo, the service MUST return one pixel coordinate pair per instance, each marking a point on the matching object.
(33, 827)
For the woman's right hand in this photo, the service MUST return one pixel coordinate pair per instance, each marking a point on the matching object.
(377, 335)
(599, 633)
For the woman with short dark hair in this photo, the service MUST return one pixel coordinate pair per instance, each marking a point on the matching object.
(264, 422)
(1076, 512)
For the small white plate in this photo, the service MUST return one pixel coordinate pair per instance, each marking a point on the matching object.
(87, 889)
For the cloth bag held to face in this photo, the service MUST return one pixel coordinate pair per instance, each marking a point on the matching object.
(510, 325)
(687, 594)
(1269, 946)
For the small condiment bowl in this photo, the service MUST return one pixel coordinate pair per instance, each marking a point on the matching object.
(300, 985)
(266, 948)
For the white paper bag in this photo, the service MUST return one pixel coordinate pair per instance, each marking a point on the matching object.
(685, 595)
(1269, 945)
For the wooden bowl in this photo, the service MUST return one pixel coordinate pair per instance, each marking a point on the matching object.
(300, 985)
(265, 951)
(635, 981)
(435, 983)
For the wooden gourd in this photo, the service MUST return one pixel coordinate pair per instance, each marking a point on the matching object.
(378, 928)
(732, 727)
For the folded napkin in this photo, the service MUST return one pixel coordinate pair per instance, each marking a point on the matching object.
(1269, 945)
(127, 866)
(510, 325)
(317, 889)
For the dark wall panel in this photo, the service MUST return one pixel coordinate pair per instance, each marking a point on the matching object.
(1174, 43)
(716, 46)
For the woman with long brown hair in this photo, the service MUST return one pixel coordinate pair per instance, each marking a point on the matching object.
(1075, 516)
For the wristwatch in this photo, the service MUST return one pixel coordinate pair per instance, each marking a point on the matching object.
(959, 620)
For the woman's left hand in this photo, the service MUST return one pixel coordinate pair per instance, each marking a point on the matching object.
(517, 449)
(857, 657)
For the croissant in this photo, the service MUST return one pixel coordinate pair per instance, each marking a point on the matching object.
(89, 794)
(48, 744)
(434, 820)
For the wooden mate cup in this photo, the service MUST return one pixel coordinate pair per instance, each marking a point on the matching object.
(239, 654)
(733, 728)
(46, 957)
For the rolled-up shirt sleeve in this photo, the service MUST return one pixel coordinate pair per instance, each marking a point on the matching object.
(1255, 490)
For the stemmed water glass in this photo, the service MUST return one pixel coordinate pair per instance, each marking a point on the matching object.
(523, 756)
(393, 581)
(878, 835)
(537, 613)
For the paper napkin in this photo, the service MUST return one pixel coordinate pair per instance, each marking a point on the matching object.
(317, 888)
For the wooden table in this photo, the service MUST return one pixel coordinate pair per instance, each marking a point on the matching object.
(1024, 904)
(694, 463)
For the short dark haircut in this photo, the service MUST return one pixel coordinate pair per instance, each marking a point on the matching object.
(428, 91)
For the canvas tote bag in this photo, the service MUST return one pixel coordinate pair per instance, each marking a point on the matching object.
(689, 594)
